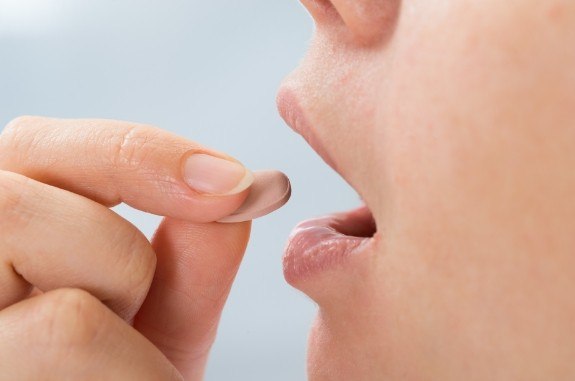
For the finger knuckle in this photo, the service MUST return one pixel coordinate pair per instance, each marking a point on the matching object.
(13, 197)
(11, 186)
(68, 319)
(18, 123)
(16, 136)
(130, 146)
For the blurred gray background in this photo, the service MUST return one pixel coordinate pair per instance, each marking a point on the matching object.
(207, 70)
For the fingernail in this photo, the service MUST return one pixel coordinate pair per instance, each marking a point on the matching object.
(213, 175)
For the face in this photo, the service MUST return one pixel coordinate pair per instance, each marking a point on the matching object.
(455, 122)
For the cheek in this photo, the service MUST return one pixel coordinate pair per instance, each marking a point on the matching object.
(469, 109)
(478, 147)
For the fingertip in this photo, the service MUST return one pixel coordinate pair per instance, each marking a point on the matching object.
(213, 174)
(200, 208)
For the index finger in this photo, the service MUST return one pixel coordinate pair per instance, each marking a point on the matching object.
(113, 161)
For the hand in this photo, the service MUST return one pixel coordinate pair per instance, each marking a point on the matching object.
(83, 294)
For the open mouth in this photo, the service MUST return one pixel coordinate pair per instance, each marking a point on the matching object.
(327, 242)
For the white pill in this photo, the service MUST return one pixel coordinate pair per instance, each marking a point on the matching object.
(269, 192)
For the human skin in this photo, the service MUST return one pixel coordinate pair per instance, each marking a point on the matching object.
(83, 294)
(454, 121)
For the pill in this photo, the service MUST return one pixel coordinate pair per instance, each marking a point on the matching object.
(270, 191)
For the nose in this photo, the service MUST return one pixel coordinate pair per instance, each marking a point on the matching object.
(366, 21)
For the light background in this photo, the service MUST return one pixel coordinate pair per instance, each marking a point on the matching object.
(207, 70)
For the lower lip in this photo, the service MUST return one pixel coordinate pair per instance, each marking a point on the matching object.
(318, 245)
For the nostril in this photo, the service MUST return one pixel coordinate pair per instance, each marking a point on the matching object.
(317, 4)
(321, 10)
(369, 21)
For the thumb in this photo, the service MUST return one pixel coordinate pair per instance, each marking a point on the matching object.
(197, 264)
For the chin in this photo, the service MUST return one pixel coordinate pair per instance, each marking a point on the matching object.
(340, 353)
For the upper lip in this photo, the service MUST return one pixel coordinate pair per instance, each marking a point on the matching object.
(289, 109)
(321, 243)
(293, 114)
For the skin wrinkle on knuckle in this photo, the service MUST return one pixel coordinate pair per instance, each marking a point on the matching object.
(132, 152)
(121, 146)
(131, 147)
(66, 321)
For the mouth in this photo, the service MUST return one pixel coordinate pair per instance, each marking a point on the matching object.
(327, 243)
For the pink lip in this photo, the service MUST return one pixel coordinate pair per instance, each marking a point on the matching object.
(293, 115)
(322, 243)
(327, 242)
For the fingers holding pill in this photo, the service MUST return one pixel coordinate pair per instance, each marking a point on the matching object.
(57, 180)
(152, 170)
(53, 163)
(113, 161)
